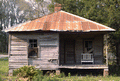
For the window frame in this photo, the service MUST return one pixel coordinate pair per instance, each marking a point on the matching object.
(34, 38)
(85, 46)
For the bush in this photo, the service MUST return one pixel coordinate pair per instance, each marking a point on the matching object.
(26, 72)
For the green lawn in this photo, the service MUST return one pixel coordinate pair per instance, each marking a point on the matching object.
(4, 75)
(91, 78)
(3, 68)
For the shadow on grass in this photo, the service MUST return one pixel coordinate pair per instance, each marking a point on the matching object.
(114, 70)
(82, 72)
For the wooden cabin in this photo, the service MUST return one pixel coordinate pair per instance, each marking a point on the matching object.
(58, 40)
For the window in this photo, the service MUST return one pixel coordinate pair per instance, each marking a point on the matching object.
(33, 48)
(88, 46)
(32, 43)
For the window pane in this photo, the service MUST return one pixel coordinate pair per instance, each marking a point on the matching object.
(35, 45)
(35, 41)
(32, 45)
(86, 44)
(90, 44)
(30, 41)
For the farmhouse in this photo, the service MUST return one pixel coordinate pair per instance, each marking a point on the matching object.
(58, 40)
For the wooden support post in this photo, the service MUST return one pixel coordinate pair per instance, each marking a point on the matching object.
(57, 72)
(106, 52)
(105, 72)
(10, 72)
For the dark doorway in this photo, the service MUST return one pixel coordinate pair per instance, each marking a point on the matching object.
(69, 47)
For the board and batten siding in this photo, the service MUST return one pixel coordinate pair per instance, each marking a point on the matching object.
(78, 50)
(48, 51)
(98, 49)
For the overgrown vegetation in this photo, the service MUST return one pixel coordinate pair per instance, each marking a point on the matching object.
(26, 72)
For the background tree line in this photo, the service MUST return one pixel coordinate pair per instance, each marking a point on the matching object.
(13, 12)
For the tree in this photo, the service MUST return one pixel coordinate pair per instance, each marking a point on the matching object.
(18, 11)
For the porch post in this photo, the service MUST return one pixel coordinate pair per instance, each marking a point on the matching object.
(106, 71)
(106, 51)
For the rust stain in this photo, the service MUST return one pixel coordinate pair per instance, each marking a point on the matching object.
(101, 27)
(93, 26)
(85, 26)
(25, 26)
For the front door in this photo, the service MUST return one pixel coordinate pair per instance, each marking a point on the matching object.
(69, 52)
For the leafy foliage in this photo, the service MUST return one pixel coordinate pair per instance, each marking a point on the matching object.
(26, 72)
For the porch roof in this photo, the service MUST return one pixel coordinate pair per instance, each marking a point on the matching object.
(60, 21)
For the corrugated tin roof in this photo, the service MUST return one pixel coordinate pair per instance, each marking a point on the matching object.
(60, 21)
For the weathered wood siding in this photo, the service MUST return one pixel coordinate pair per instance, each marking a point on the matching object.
(48, 49)
(78, 50)
(62, 59)
(98, 49)
(17, 51)
(48, 54)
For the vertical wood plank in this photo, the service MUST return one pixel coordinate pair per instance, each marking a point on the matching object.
(64, 53)
(58, 41)
(74, 52)
(9, 46)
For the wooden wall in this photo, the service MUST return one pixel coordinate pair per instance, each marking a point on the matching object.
(48, 49)
(78, 50)
(98, 49)
(48, 53)
(17, 51)
(79, 43)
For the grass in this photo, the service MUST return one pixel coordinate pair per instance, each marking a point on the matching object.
(3, 67)
(4, 53)
(4, 75)
(90, 78)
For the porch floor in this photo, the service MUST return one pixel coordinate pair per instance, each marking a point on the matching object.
(85, 66)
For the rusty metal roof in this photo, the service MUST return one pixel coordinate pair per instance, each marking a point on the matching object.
(60, 21)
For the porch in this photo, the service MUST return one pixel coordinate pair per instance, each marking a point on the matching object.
(83, 50)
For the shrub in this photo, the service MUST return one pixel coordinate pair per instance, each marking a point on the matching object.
(26, 72)
(69, 75)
